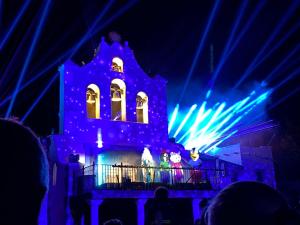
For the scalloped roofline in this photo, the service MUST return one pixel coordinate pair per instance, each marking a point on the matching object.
(125, 47)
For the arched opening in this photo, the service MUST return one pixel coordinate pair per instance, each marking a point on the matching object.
(118, 100)
(117, 64)
(93, 101)
(142, 107)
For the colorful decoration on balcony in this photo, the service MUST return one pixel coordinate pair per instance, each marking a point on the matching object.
(147, 161)
(175, 159)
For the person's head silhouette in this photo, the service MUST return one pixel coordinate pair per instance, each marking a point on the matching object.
(24, 174)
(161, 193)
(249, 203)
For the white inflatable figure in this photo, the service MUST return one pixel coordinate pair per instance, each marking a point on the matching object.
(175, 159)
(147, 161)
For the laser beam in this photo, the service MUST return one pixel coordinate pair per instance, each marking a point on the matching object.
(247, 26)
(229, 41)
(251, 67)
(173, 118)
(184, 120)
(39, 98)
(14, 24)
(199, 48)
(28, 58)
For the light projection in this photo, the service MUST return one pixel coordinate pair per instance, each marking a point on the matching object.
(119, 100)
(211, 126)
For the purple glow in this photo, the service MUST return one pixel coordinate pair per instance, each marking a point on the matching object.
(81, 134)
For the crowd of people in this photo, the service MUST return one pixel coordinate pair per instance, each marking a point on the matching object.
(24, 171)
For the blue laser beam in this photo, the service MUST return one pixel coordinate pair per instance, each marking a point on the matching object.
(184, 120)
(14, 24)
(219, 142)
(279, 43)
(251, 67)
(68, 52)
(173, 118)
(247, 26)
(33, 79)
(212, 120)
(199, 118)
(192, 131)
(229, 41)
(92, 27)
(219, 121)
(40, 97)
(206, 114)
(275, 104)
(278, 67)
(28, 58)
(294, 74)
(199, 48)
(16, 53)
(120, 12)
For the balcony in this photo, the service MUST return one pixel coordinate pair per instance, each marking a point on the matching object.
(129, 177)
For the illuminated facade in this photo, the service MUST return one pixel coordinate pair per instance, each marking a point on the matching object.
(110, 103)
(112, 114)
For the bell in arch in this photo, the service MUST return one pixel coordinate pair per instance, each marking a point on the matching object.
(116, 96)
(91, 98)
(139, 103)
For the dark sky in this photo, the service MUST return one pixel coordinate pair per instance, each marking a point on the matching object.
(164, 36)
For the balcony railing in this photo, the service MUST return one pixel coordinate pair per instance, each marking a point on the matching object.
(143, 178)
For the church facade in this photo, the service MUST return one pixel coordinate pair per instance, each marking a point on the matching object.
(113, 144)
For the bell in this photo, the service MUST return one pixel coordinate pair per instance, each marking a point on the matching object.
(116, 96)
(91, 98)
(139, 104)
(116, 67)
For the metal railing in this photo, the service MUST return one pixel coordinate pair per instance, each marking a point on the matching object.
(141, 177)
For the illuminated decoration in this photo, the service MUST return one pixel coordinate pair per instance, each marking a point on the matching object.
(118, 100)
(195, 163)
(165, 166)
(99, 139)
(142, 107)
(92, 101)
(164, 160)
(210, 127)
(81, 159)
(194, 154)
(147, 161)
(100, 162)
(175, 159)
(117, 64)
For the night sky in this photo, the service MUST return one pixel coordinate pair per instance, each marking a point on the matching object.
(164, 36)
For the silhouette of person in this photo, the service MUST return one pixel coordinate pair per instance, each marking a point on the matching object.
(250, 203)
(24, 174)
(160, 211)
